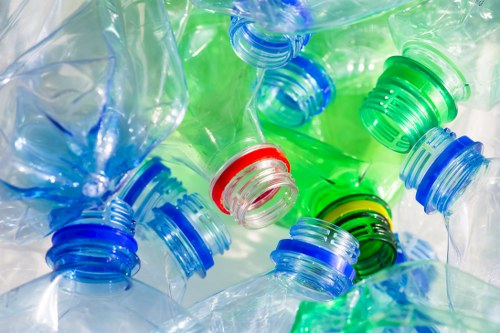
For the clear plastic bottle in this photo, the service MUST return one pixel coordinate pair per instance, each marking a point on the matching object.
(452, 177)
(249, 178)
(177, 232)
(106, 91)
(90, 288)
(270, 33)
(315, 264)
(450, 52)
(418, 296)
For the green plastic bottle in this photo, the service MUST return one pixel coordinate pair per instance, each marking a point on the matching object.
(418, 296)
(220, 135)
(450, 53)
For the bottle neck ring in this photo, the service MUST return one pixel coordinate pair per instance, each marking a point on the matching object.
(368, 219)
(441, 167)
(255, 186)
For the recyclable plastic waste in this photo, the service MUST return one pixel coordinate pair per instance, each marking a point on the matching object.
(249, 178)
(450, 53)
(418, 296)
(451, 176)
(269, 34)
(91, 288)
(177, 232)
(315, 264)
(106, 90)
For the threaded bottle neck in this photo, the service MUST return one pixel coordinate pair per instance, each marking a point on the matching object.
(408, 100)
(319, 255)
(151, 186)
(263, 49)
(191, 232)
(255, 186)
(97, 245)
(368, 219)
(290, 96)
(441, 167)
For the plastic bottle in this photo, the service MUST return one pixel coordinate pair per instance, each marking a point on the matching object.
(452, 177)
(450, 52)
(270, 33)
(249, 178)
(315, 264)
(177, 232)
(90, 288)
(347, 59)
(106, 90)
(420, 296)
(413, 248)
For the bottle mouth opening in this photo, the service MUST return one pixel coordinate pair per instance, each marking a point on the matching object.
(290, 96)
(255, 186)
(263, 49)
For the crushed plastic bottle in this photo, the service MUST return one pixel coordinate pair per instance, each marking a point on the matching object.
(315, 264)
(450, 53)
(452, 177)
(419, 296)
(249, 178)
(90, 288)
(269, 34)
(105, 90)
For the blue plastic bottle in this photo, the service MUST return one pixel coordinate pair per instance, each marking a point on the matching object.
(84, 98)
(452, 177)
(90, 288)
(315, 264)
(178, 233)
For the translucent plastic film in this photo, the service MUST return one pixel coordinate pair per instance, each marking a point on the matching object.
(420, 296)
(292, 16)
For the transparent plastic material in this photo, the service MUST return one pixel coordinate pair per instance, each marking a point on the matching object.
(178, 233)
(345, 58)
(453, 178)
(105, 90)
(309, 266)
(420, 296)
(270, 34)
(178, 12)
(450, 53)
(250, 179)
(90, 288)
(291, 16)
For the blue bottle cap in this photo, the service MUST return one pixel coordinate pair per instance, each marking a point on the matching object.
(191, 234)
(327, 257)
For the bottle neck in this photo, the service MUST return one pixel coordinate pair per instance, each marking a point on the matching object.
(441, 167)
(151, 186)
(261, 48)
(409, 99)
(290, 96)
(191, 233)
(255, 186)
(319, 256)
(97, 246)
(368, 219)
